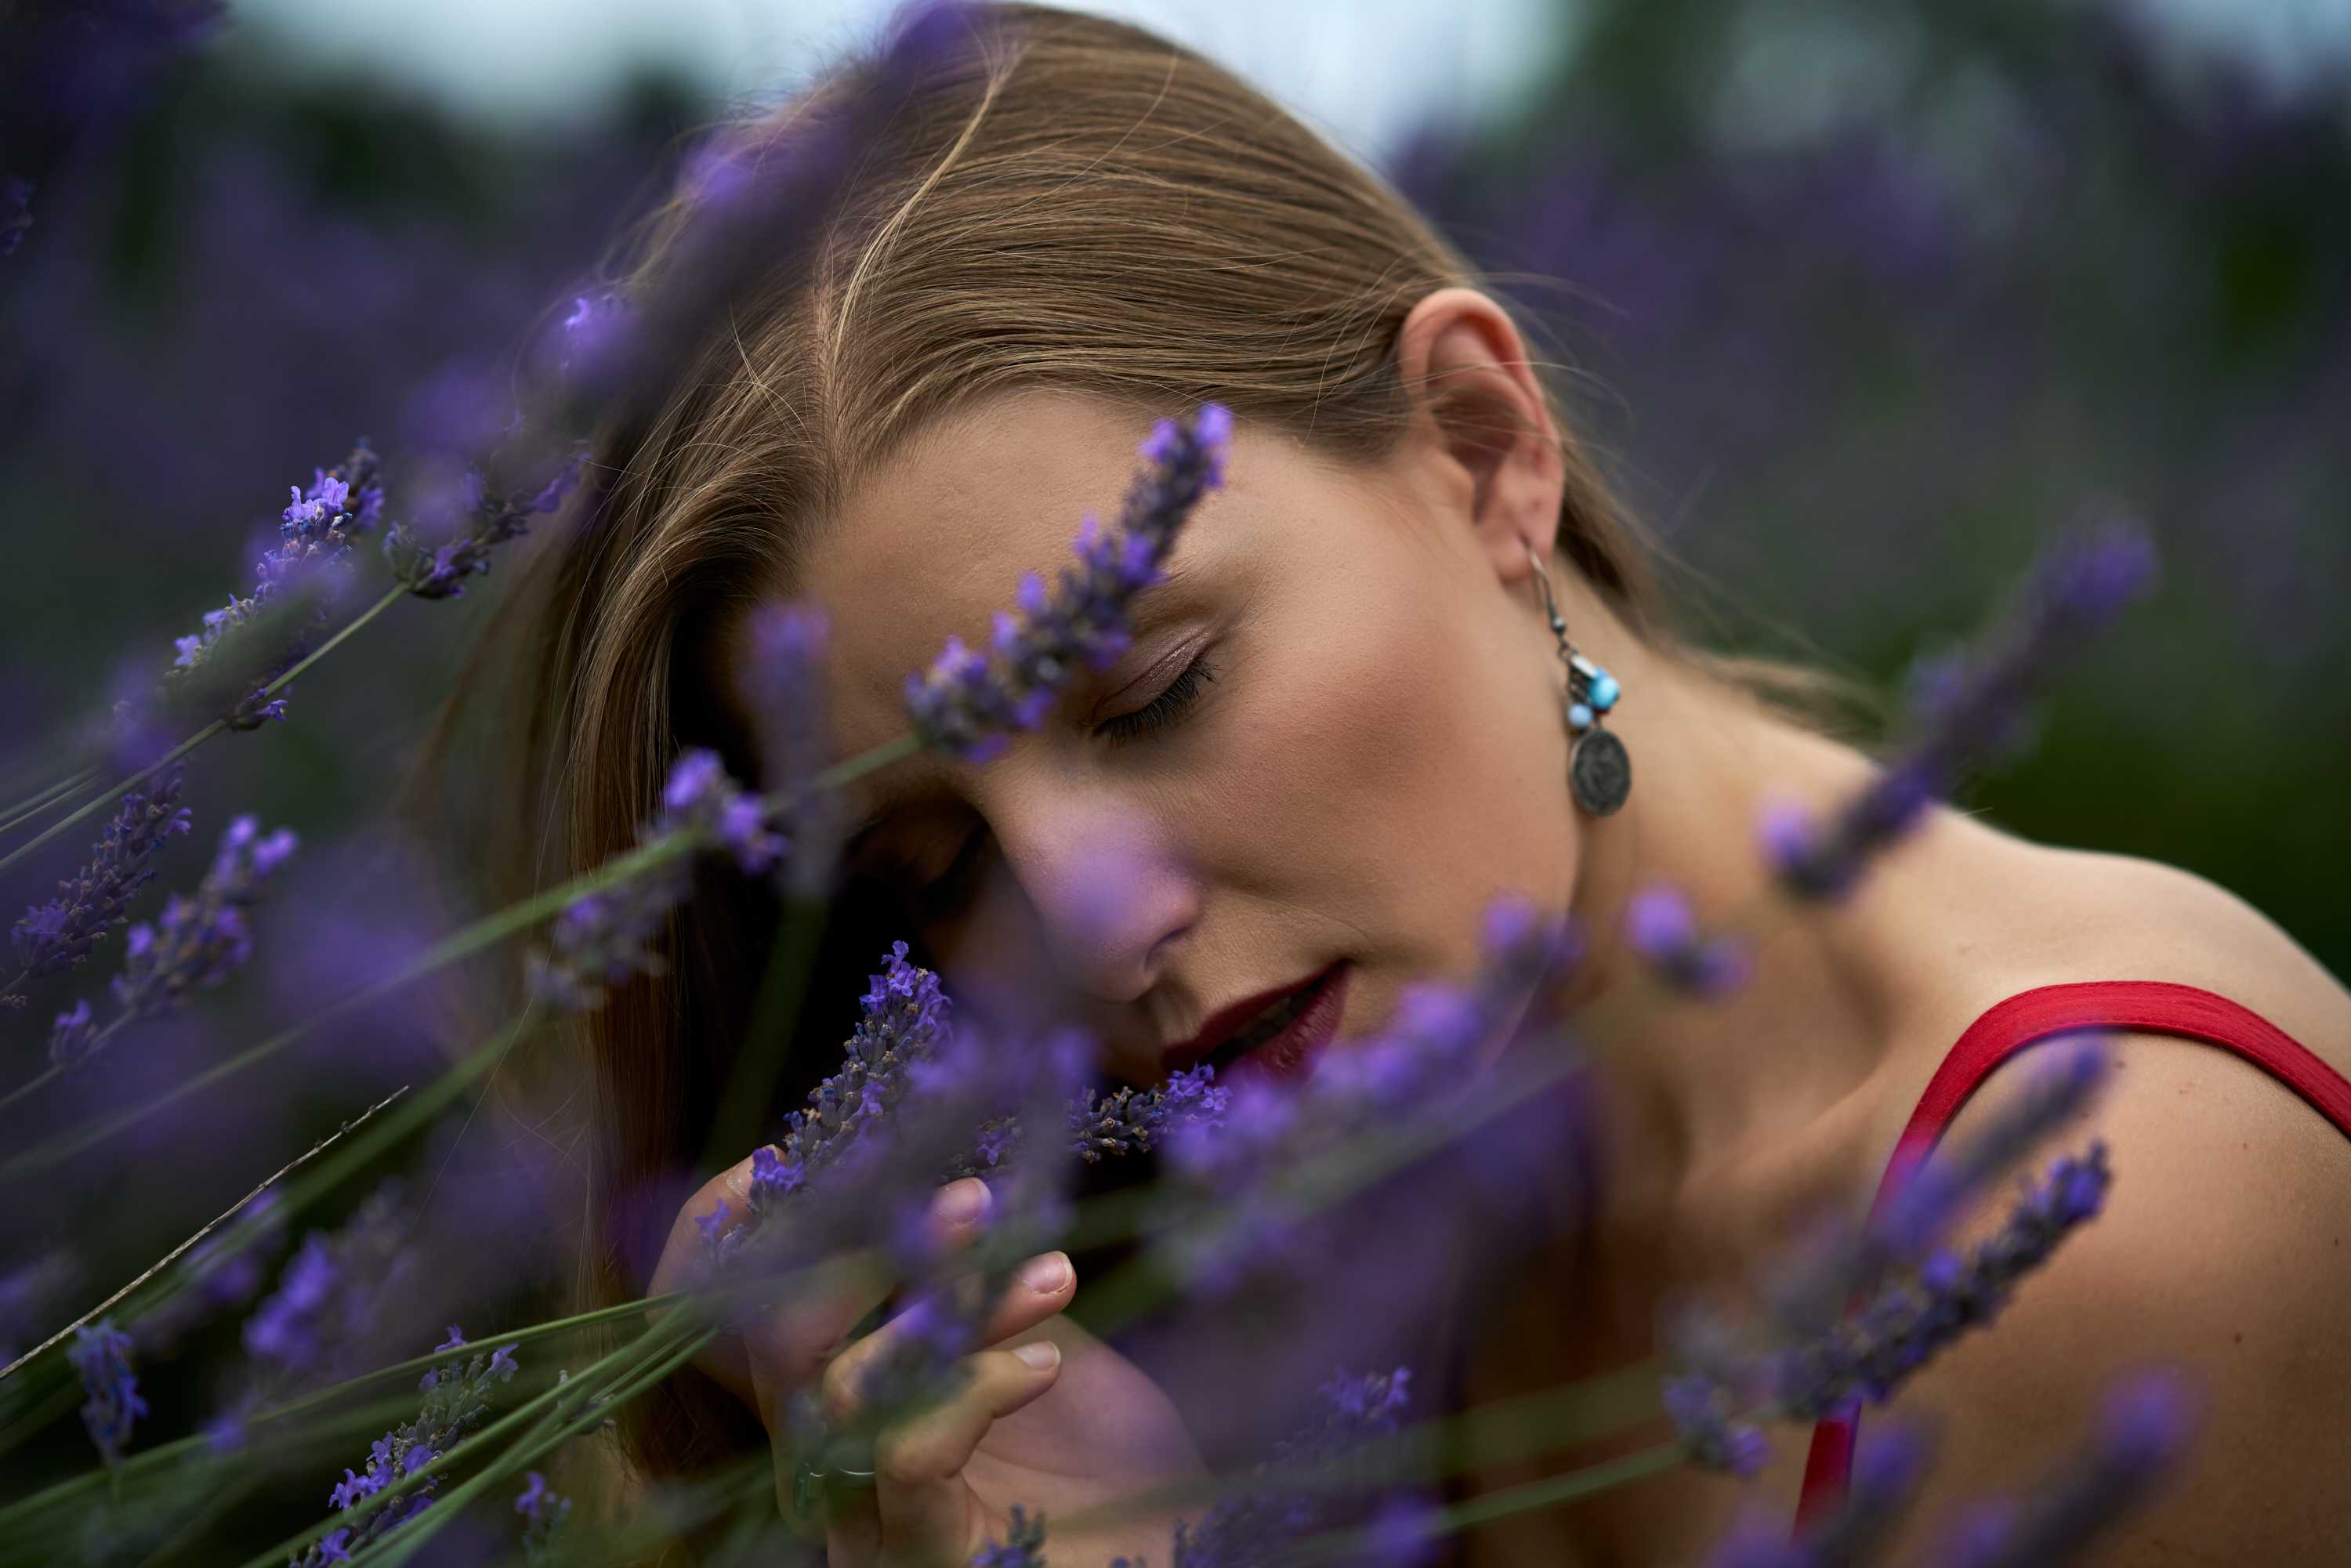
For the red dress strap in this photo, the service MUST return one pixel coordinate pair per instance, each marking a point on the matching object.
(2147, 1007)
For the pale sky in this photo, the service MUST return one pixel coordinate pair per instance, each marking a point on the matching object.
(1364, 71)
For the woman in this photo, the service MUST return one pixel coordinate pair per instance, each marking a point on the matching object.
(1336, 736)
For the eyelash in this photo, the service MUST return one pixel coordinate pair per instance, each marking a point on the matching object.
(1171, 706)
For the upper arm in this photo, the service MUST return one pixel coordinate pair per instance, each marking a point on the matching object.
(2224, 1250)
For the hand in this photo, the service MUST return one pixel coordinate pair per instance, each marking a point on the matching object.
(1048, 1417)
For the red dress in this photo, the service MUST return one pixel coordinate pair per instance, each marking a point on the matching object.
(2144, 1006)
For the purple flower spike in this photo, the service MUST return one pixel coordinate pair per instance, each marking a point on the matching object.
(543, 1510)
(201, 941)
(780, 680)
(100, 1353)
(2142, 1433)
(198, 943)
(316, 534)
(1906, 1324)
(439, 572)
(604, 939)
(57, 936)
(1966, 709)
(968, 704)
(457, 1403)
(1660, 925)
(1700, 1410)
(1128, 1120)
(1023, 1545)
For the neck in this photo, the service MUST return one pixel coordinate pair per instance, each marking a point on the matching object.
(1760, 1092)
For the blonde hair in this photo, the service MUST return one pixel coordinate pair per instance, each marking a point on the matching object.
(1073, 203)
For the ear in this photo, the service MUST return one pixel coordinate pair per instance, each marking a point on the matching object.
(1480, 411)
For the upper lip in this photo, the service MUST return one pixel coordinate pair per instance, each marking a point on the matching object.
(1230, 1020)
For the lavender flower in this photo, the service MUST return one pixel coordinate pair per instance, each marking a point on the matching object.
(1023, 1547)
(1128, 1120)
(320, 1318)
(456, 1401)
(1260, 1524)
(2141, 1435)
(1660, 925)
(544, 1510)
(198, 943)
(25, 1292)
(967, 703)
(57, 936)
(439, 572)
(1904, 1326)
(780, 683)
(316, 532)
(1926, 1195)
(221, 1271)
(604, 939)
(1432, 1041)
(1700, 1408)
(1886, 1478)
(100, 1353)
(1969, 710)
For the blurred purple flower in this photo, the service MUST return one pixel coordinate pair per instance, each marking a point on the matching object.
(2078, 586)
(439, 571)
(781, 681)
(198, 942)
(1023, 1545)
(604, 939)
(543, 1510)
(100, 1353)
(2142, 1433)
(221, 1271)
(1886, 1478)
(55, 936)
(968, 703)
(25, 1292)
(1661, 927)
(322, 1321)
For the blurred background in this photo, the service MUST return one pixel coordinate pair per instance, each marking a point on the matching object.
(1864, 299)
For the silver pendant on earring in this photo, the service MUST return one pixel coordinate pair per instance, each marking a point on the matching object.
(1599, 772)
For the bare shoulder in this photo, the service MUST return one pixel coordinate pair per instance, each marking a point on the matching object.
(2224, 1248)
(2124, 917)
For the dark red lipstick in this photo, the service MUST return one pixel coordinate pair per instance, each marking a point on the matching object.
(1274, 1034)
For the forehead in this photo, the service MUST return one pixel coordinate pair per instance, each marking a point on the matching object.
(932, 543)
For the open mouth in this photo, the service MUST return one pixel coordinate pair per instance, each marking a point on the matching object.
(1280, 1040)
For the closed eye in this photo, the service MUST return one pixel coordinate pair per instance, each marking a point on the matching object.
(1172, 705)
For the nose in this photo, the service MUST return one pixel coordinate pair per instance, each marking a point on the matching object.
(1106, 888)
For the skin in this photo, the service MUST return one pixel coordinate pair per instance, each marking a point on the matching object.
(1379, 754)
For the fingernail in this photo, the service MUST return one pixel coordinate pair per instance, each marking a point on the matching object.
(961, 1202)
(1039, 1354)
(1046, 1273)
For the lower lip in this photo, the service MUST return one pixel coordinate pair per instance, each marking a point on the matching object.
(1290, 1055)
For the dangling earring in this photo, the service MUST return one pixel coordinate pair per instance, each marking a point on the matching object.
(1599, 773)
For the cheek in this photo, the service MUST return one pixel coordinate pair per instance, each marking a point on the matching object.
(1415, 769)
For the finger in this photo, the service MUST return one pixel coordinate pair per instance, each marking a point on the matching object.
(784, 1348)
(1040, 1288)
(923, 1504)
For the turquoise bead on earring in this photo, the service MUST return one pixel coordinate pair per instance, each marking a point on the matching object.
(1603, 691)
(1579, 717)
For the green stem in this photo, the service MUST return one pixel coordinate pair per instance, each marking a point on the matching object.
(115, 793)
(213, 729)
(48, 800)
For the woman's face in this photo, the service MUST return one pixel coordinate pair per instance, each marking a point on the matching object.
(1335, 739)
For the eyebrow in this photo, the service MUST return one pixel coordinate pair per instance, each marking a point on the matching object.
(1156, 605)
